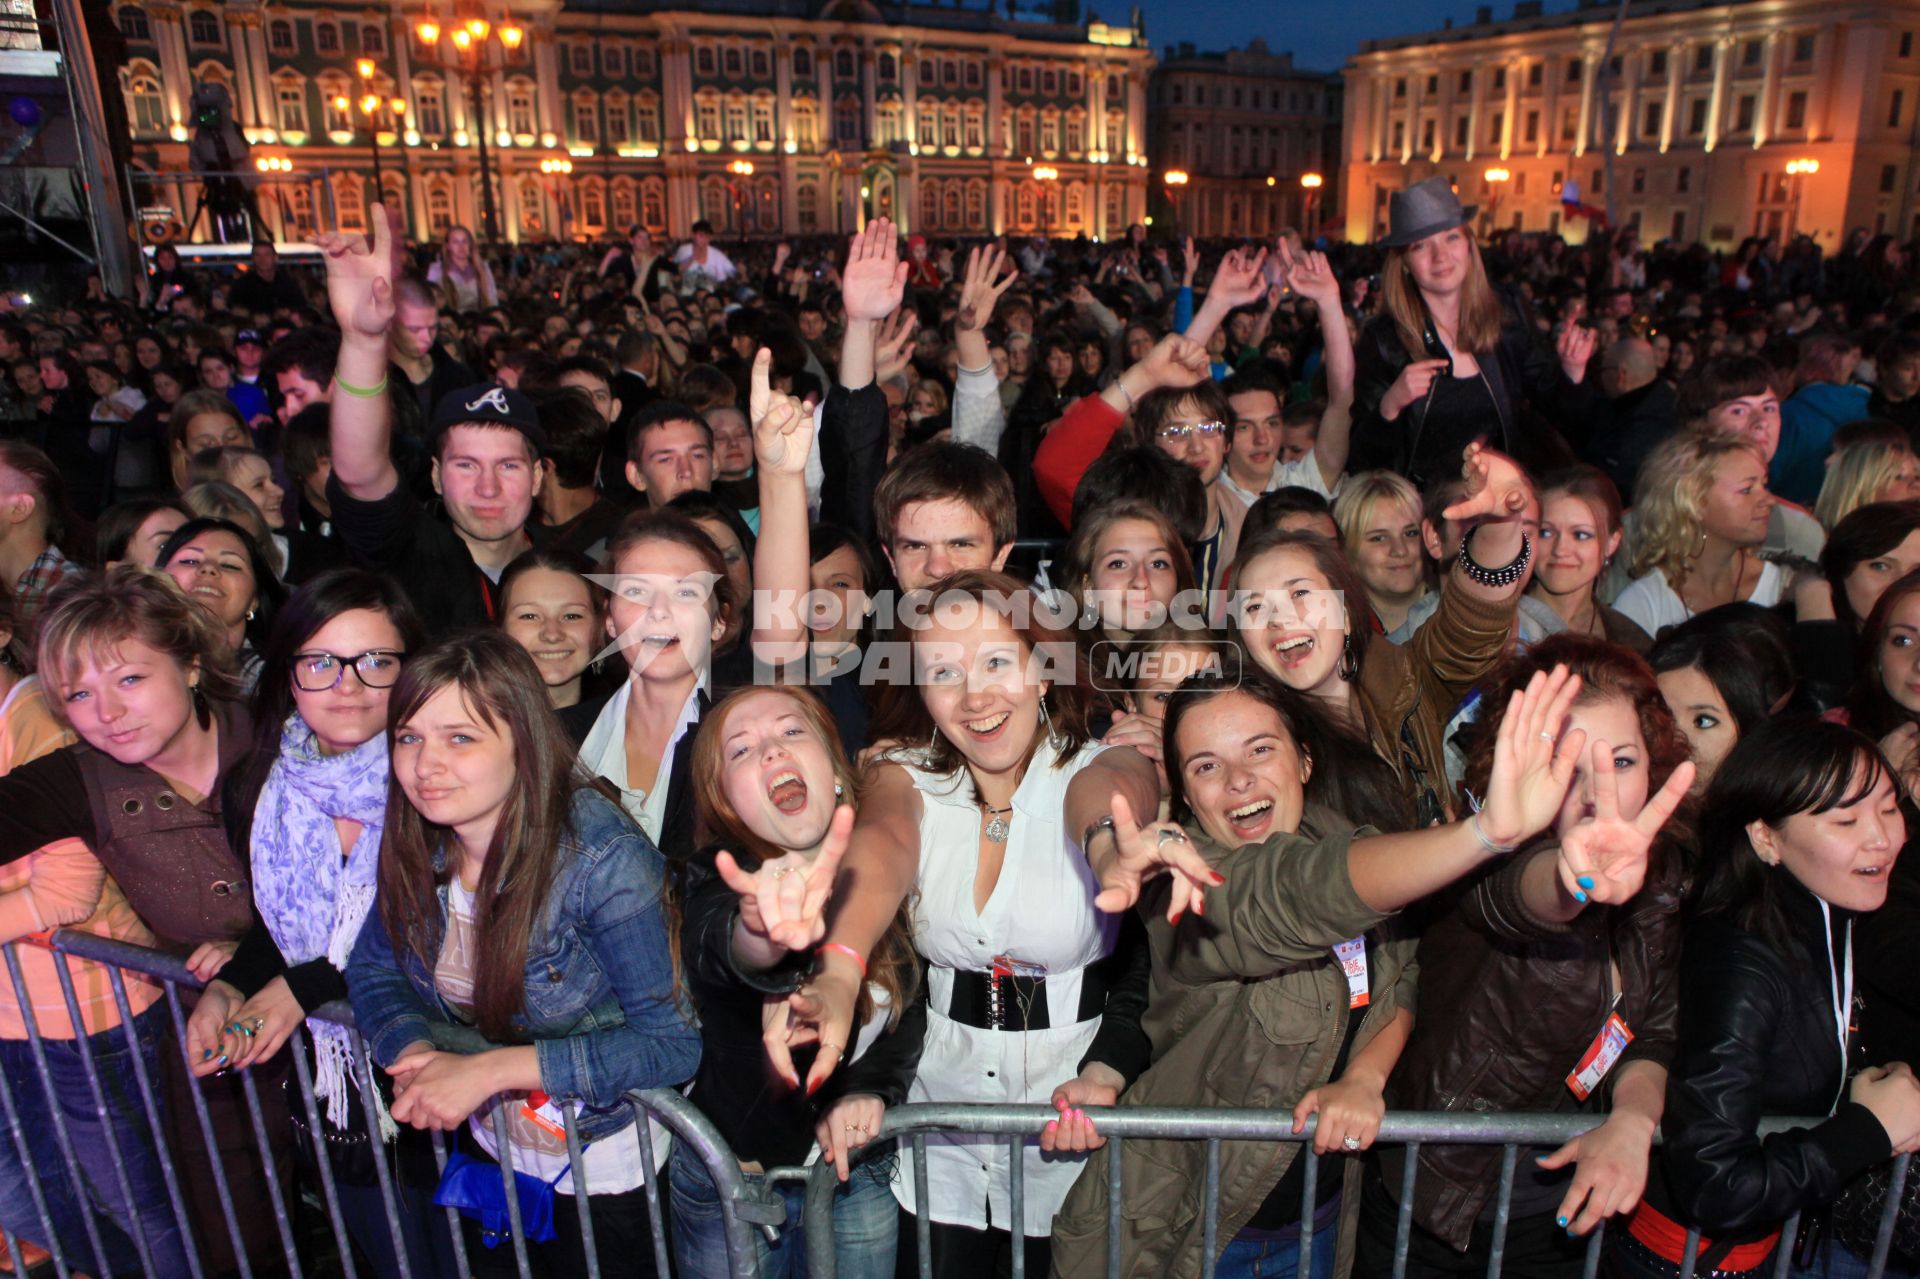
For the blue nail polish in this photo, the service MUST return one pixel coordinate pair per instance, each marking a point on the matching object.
(1561, 1220)
(206, 1054)
(1586, 881)
(1579, 896)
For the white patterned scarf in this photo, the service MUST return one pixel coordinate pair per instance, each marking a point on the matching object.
(312, 899)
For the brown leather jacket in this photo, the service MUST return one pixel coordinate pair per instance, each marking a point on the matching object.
(1248, 1008)
(1510, 1002)
(1408, 691)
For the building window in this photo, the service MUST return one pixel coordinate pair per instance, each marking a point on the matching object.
(1743, 113)
(843, 65)
(1024, 135)
(1894, 110)
(326, 37)
(373, 40)
(1466, 82)
(1575, 69)
(1498, 120)
(929, 205)
(1433, 86)
(586, 120)
(763, 121)
(203, 27)
(625, 211)
(1116, 132)
(1569, 125)
(846, 121)
(806, 205)
(439, 209)
(703, 62)
(973, 75)
(1797, 109)
(334, 108)
(1639, 181)
(580, 56)
(1657, 62)
(613, 61)
(1049, 81)
(292, 101)
(1906, 44)
(1399, 135)
(736, 121)
(1050, 132)
(1076, 86)
(348, 204)
(1025, 79)
(643, 64)
(803, 64)
(593, 206)
(1399, 90)
(280, 36)
(1889, 176)
(976, 129)
(706, 115)
(929, 125)
(430, 112)
(145, 105)
(1750, 53)
(1536, 75)
(1076, 135)
(1683, 180)
(806, 127)
(1703, 57)
(1426, 137)
(762, 65)
(1599, 184)
(646, 119)
(1697, 117)
(1533, 127)
(1803, 48)
(134, 25)
(653, 203)
(887, 68)
(1650, 121)
(1460, 133)
(950, 73)
(735, 64)
(1499, 79)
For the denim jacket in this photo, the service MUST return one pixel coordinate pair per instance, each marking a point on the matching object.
(601, 1011)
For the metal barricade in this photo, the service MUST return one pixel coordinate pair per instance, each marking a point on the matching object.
(1020, 1125)
(161, 1225)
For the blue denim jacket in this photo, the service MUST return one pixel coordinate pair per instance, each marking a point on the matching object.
(602, 1011)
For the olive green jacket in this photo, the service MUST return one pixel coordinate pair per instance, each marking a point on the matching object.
(1248, 1009)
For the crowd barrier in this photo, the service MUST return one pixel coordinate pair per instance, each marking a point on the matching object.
(747, 1205)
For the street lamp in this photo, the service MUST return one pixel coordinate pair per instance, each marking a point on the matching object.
(1799, 170)
(469, 40)
(1311, 184)
(744, 169)
(270, 165)
(1176, 180)
(1046, 173)
(1497, 178)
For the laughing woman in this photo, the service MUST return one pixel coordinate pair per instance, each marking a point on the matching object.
(1030, 998)
(493, 832)
(1289, 989)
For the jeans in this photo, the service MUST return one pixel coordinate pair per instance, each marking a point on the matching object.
(129, 1132)
(1275, 1254)
(865, 1223)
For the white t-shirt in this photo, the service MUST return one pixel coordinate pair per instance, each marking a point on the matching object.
(1302, 474)
(1041, 913)
(1653, 605)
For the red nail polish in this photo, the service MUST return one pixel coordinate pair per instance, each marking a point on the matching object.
(1218, 879)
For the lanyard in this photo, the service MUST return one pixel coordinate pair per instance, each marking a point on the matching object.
(1842, 988)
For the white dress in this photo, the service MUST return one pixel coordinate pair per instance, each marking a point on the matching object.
(1041, 913)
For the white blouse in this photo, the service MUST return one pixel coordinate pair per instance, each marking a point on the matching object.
(1653, 605)
(1041, 913)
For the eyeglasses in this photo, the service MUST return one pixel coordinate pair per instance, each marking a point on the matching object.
(322, 672)
(1181, 432)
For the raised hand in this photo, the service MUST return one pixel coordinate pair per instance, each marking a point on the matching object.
(1141, 853)
(875, 278)
(1533, 761)
(1604, 857)
(894, 348)
(1574, 347)
(785, 900)
(1497, 489)
(782, 426)
(1189, 264)
(359, 277)
(982, 287)
(1176, 360)
(1312, 277)
(1238, 281)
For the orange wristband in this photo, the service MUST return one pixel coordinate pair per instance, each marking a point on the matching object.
(849, 952)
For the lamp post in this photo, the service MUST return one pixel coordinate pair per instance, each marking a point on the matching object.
(1497, 178)
(270, 165)
(1176, 180)
(559, 167)
(470, 44)
(1799, 171)
(741, 169)
(1311, 184)
(1047, 174)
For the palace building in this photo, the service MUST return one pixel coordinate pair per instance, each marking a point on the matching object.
(1702, 121)
(764, 117)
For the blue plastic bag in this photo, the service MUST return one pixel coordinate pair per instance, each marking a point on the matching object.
(474, 1188)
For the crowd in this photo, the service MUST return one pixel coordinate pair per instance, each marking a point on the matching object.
(1427, 675)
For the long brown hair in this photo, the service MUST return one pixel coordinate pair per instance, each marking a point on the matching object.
(501, 686)
(892, 966)
(1077, 570)
(1481, 314)
(902, 715)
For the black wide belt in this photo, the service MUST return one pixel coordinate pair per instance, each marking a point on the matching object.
(1012, 1001)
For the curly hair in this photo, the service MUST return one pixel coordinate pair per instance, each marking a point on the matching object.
(1607, 671)
(1673, 485)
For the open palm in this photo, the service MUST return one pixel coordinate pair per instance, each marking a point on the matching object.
(359, 283)
(875, 278)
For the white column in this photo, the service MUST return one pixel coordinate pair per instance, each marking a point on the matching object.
(1589, 68)
(546, 73)
(176, 77)
(1717, 105)
(1412, 139)
(1629, 102)
(246, 112)
(1821, 99)
(1476, 98)
(996, 103)
(783, 120)
(1551, 66)
(1676, 70)
(910, 95)
(1515, 69)
(869, 105)
(1137, 109)
(1769, 91)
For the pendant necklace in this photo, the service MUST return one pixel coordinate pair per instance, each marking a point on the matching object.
(997, 823)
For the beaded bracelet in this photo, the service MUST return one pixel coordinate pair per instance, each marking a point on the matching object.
(1495, 577)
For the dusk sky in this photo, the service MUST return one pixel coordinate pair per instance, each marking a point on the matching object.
(1321, 33)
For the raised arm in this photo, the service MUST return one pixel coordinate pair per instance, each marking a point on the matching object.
(875, 281)
(1236, 282)
(1312, 278)
(782, 438)
(361, 419)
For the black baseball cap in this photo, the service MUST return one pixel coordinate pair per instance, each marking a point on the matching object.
(245, 336)
(489, 404)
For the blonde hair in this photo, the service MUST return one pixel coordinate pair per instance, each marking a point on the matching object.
(1856, 475)
(89, 615)
(1481, 314)
(1362, 494)
(219, 500)
(1673, 486)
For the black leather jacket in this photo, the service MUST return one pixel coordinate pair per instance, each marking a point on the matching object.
(1757, 1038)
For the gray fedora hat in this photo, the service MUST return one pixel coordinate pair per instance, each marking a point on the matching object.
(1424, 209)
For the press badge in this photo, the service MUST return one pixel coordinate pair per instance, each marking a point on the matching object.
(1353, 962)
(1600, 1056)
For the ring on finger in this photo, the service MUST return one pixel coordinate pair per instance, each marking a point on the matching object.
(1174, 836)
(1350, 1142)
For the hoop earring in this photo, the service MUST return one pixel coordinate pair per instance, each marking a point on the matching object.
(1349, 665)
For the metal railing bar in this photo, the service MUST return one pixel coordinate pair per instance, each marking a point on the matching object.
(577, 1162)
(296, 1044)
(1403, 1220)
(364, 1084)
(156, 1123)
(1503, 1211)
(503, 1145)
(205, 1120)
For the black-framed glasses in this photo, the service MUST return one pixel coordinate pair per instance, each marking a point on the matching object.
(322, 672)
